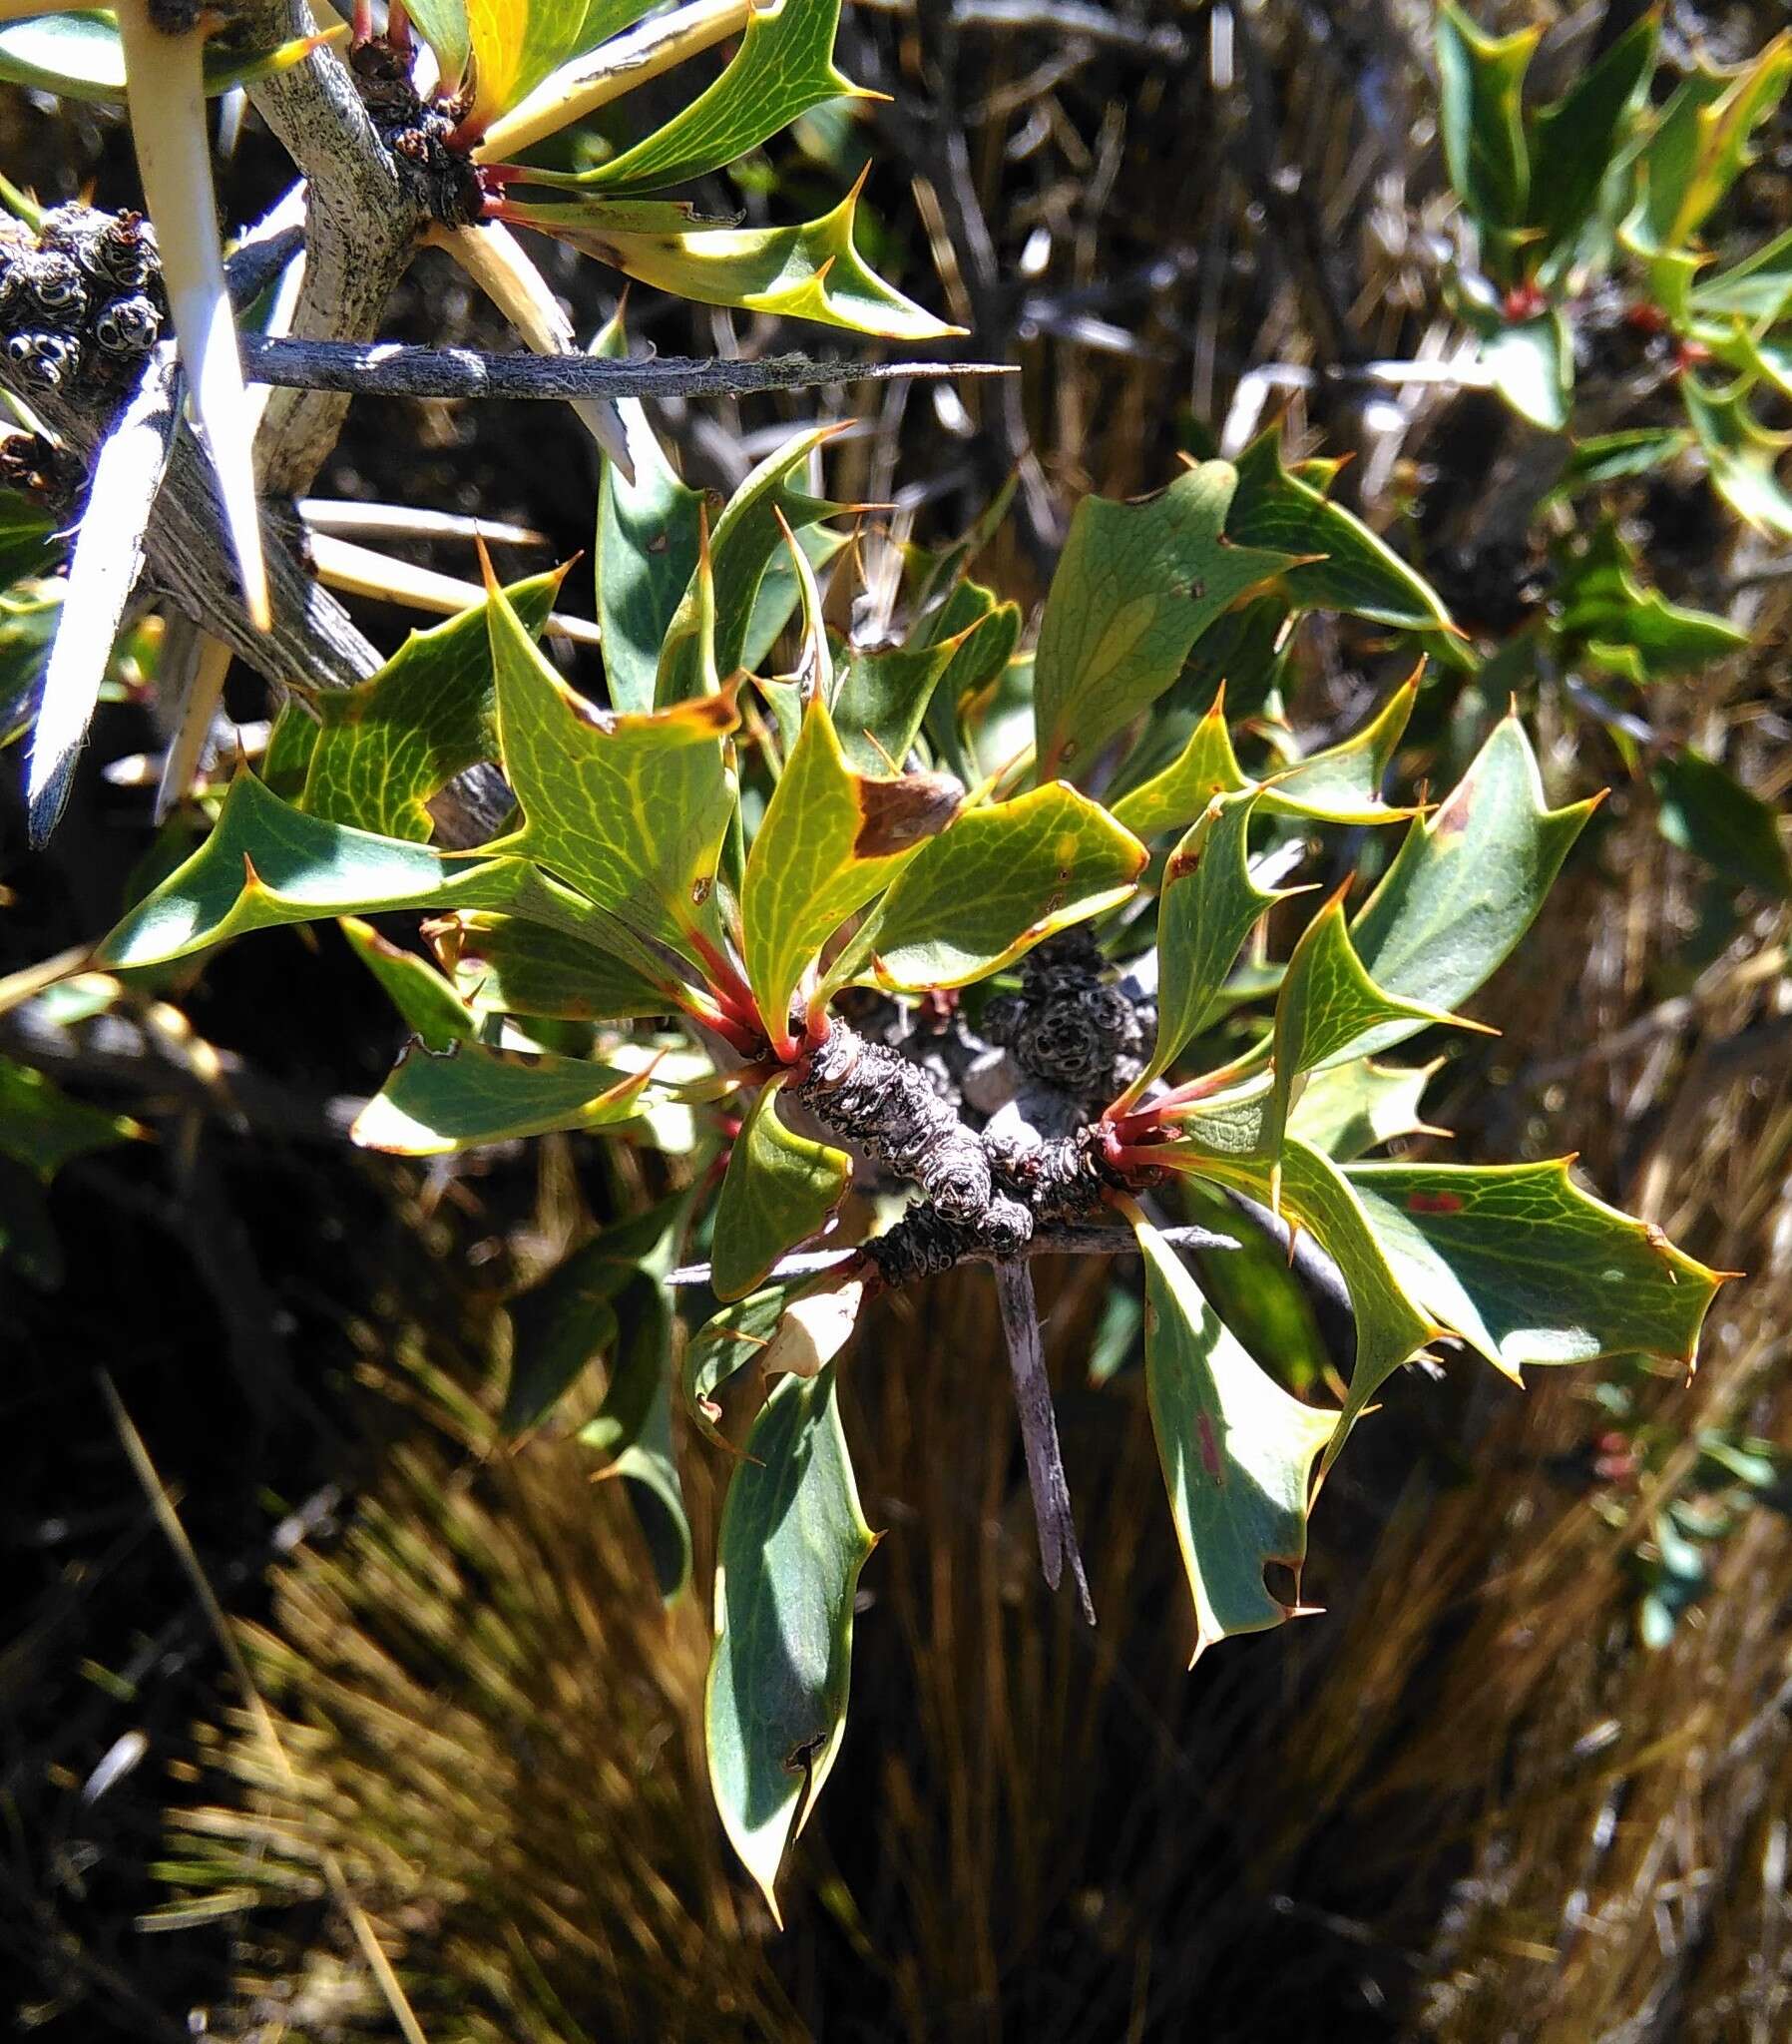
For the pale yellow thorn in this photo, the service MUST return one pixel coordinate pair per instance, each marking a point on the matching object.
(499, 265)
(196, 666)
(164, 89)
(360, 571)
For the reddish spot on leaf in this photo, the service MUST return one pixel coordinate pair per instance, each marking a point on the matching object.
(1210, 1449)
(897, 814)
(1453, 818)
(659, 543)
(1182, 865)
(1433, 1203)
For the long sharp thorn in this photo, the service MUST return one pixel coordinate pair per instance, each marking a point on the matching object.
(165, 90)
(197, 665)
(1039, 1433)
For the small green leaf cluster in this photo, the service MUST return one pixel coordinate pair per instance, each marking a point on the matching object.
(759, 827)
(1590, 216)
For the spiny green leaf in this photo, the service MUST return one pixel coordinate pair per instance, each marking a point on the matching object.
(1346, 1109)
(1577, 140)
(1237, 1453)
(747, 539)
(786, 66)
(427, 1003)
(1532, 363)
(1757, 289)
(1354, 571)
(1741, 455)
(883, 696)
(650, 533)
(1343, 782)
(779, 1190)
(1529, 1268)
(41, 1128)
(1173, 798)
(384, 747)
(1391, 1327)
(268, 863)
(502, 965)
(1466, 885)
(1327, 1006)
(1136, 586)
(1699, 149)
(727, 1344)
(1003, 878)
(830, 841)
(1634, 629)
(1709, 813)
(1207, 909)
(1482, 82)
(629, 809)
(435, 1102)
(813, 271)
(792, 1543)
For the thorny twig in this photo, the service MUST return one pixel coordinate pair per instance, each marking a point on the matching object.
(388, 369)
(1039, 1432)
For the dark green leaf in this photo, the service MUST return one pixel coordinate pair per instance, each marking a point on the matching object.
(792, 1543)
(1709, 813)
(437, 1102)
(779, 1190)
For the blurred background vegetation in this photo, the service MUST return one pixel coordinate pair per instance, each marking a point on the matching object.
(1529, 1775)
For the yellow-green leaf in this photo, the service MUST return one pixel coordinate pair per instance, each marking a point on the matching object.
(813, 271)
(830, 840)
(436, 1102)
(1003, 878)
(779, 1190)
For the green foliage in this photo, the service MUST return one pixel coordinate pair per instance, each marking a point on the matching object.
(793, 1541)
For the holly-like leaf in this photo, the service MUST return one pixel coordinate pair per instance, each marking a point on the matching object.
(1481, 81)
(1181, 793)
(1709, 813)
(268, 863)
(786, 66)
(384, 747)
(779, 1190)
(1003, 876)
(502, 965)
(748, 537)
(428, 1004)
(1228, 1145)
(1207, 909)
(830, 840)
(1466, 885)
(1343, 783)
(1699, 149)
(1576, 141)
(1345, 1108)
(1327, 1006)
(556, 1327)
(1634, 629)
(1758, 289)
(1236, 1450)
(1532, 363)
(1136, 586)
(630, 808)
(1338, 563)
(81, 56)
(41, 1128)
(650, 534)
(434, 1103)
(1741, 455)
(883, 695)
(792, 1543)
(813, 271)
(1529, 1268)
